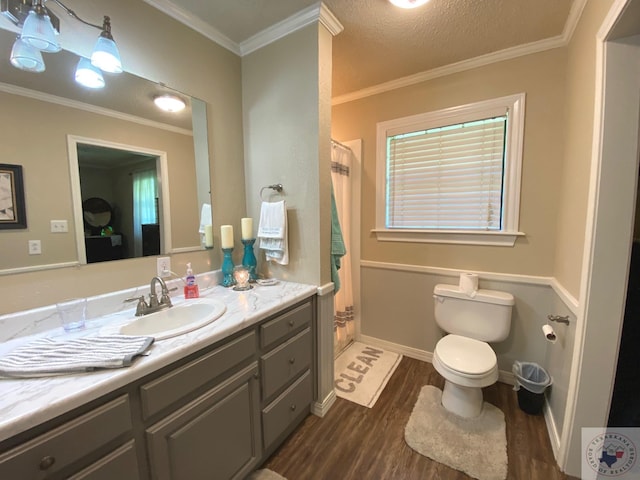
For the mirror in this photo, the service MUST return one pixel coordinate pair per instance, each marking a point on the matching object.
(75, 144)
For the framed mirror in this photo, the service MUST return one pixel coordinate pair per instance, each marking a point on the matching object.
(68, 139)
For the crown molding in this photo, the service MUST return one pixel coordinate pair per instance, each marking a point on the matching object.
(312, 14)
(194, 23)
(67, 102)
(494, 57)
(507, 54)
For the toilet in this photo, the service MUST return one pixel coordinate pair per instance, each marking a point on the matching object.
(463, 356)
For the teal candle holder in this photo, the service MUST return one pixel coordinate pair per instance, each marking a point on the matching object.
(227, 268)
(249, 259)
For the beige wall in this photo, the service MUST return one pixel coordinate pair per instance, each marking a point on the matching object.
(47, 180)
(579, 105)
(542, 78)
(154, 46)
(287, 141)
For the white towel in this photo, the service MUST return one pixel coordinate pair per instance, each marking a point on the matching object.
(272, 232)
(205, 217)
(47, 356)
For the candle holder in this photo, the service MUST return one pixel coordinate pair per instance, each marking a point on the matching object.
(227, 268)
(249, 259)
(241, 277)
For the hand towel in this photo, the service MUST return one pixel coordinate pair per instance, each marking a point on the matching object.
(48, 356)
(205, 217)
(272, 232)
(338, 249)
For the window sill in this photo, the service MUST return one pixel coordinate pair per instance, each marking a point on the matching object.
(457, 237)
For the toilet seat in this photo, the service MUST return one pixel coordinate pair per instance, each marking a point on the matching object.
(465, 362)
(466, 356)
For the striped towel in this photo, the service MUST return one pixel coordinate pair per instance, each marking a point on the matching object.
(48, 356)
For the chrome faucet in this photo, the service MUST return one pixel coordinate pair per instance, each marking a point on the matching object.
(154, 305)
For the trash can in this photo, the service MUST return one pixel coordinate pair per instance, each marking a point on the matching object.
(531, 382)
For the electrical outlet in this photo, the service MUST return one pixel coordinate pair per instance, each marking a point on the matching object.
(164, 266)
(59, 226)
(35, 247)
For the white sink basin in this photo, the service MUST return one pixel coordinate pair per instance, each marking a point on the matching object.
(181, 318)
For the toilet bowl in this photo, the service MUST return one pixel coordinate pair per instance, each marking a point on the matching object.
(463, 357)
(467, 365)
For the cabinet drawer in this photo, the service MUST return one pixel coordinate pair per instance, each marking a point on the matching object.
(169, 388)
(286, 408)
(68, 443)
(285, 362)
(121, 464)
(280, 327)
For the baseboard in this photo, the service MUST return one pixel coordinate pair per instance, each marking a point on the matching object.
(422, 355)
(320, 409)
(552, 430)
(397, 348)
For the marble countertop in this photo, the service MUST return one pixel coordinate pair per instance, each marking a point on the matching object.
(25, 403)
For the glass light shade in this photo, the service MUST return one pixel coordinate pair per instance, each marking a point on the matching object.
(169, 103)
(106, 56)
(88, 75)
(38, 32)
(25, 57)
(408, 3)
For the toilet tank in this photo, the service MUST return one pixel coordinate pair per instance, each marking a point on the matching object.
(485, 317)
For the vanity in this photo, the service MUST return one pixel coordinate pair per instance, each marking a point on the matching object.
(212, 403)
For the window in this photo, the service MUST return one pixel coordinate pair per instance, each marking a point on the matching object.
(451, 176)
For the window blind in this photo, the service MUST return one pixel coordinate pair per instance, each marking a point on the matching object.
(448, 178)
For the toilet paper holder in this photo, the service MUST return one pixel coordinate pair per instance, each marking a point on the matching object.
(559, 318)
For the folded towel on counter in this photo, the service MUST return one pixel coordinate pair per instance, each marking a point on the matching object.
(272, 232)
(48, 356)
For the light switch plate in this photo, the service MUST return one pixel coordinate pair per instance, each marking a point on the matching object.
(59, 226)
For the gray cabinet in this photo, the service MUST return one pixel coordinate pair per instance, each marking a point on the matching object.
(286, 364)
(217, 413)
(217, 435)
(75, 444)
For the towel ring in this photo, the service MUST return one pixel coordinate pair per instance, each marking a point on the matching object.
(277, 187)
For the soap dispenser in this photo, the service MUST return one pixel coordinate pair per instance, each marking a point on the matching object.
(191, 288)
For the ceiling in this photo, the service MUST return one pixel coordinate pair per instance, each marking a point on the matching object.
(382, 43)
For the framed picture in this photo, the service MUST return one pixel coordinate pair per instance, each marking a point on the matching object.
(12, 209)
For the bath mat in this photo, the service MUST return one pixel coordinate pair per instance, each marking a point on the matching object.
(265, 474)
(476, 446)
(362, 372)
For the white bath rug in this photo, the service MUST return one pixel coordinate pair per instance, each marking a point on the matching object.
(476, 446)
(265, 474)
(362, 372)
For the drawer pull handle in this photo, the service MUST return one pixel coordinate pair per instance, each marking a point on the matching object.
(292, 360)
(256, 375)
(293, 408)
(47, 462)
(291, 323)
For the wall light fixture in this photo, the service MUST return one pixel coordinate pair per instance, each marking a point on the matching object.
(40, 28)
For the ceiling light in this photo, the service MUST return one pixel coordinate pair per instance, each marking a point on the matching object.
(88, 74)
(40, 28)
(169, 103)
(25, 57)
(408, 3)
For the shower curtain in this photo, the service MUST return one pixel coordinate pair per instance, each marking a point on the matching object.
(343, 326)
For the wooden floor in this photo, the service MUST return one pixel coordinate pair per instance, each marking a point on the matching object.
(355, 442)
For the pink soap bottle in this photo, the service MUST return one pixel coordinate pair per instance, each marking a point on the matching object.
(191, 287)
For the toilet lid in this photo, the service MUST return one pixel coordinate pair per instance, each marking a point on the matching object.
(466, 355)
